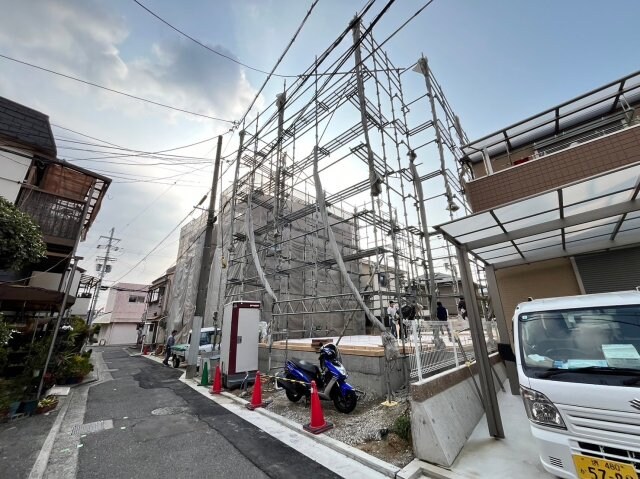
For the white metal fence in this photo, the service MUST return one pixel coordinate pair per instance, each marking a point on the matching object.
(440, 345)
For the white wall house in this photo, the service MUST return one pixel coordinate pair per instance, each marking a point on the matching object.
(123, 314)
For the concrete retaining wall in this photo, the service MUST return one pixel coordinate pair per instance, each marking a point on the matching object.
(445, 409)
(366, 373)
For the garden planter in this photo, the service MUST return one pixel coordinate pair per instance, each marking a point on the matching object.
(44, 409)
(13, 408)
(29, 407)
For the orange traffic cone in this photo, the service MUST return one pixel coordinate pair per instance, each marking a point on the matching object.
(256, 397)
(317, 424)
(217, 381)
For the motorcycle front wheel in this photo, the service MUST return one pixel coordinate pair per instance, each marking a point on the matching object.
(293, 396)
(345, 403)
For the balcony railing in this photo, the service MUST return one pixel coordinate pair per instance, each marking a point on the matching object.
(57, 216)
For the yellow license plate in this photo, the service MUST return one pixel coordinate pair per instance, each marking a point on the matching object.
(594, 468)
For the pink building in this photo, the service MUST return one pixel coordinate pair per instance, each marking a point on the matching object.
(123, 314)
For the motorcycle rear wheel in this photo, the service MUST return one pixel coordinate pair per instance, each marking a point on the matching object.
(345, 403)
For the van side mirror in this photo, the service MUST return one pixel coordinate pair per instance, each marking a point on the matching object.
(506, 352)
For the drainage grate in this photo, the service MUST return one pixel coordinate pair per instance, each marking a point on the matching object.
(92, 427)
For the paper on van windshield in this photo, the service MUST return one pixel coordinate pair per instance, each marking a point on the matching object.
(621, 355)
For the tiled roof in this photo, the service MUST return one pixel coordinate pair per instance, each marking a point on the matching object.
(24, 125)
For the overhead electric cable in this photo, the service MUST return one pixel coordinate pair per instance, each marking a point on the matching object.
(129, 95)
(284, 53)
(216, 52)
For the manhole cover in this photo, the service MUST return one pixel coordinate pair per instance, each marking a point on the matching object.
(92, 427)
(168, 411)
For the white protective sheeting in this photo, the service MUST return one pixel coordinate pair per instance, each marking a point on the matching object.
(185, 282)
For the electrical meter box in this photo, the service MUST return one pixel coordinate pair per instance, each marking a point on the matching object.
(239, 345)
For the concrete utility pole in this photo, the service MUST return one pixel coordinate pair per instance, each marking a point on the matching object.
(205, 270)
(103, 270)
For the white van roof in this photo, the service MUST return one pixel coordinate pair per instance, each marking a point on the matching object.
(206, 330)
(620, 298)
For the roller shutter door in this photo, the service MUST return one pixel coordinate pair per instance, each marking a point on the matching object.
(617, 270)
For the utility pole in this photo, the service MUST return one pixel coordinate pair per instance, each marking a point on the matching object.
(205, 270)
(106, 259)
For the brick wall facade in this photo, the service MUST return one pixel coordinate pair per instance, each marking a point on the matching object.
(582, 161)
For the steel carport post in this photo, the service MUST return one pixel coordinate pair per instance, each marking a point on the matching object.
(490, 400)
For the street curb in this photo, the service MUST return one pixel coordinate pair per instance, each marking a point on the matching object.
(363, 458)
(417, 469)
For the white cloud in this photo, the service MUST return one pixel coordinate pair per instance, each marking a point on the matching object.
(93, 41)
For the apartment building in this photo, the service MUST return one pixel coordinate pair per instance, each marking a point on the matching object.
(555, 200)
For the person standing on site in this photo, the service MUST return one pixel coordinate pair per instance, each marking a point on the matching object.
(462, 308)
(392, 313)
(170, 342)
(443, 315)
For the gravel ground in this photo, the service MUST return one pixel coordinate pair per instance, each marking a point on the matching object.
(367, 427)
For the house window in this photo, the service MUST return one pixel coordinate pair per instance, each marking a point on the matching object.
(136, 299)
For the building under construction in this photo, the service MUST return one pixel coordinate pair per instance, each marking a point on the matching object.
(386, 168)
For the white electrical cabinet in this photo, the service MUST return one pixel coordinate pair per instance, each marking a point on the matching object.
(239, 345)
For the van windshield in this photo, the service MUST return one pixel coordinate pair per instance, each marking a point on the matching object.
(605, 339)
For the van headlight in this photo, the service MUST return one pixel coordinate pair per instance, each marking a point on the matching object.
(540, 410)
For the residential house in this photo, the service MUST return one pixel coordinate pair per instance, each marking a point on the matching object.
(157, 310)
(55, 194)
(555, 199)
(124, 313)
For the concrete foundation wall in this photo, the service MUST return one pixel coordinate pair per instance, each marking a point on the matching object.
(366, 373)
(445, 409)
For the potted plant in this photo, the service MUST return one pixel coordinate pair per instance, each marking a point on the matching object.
(72, 368)
(47, 404)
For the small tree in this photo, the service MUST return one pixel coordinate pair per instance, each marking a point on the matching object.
(20, 238)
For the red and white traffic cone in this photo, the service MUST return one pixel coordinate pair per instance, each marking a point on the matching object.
(217, 382)
(318, 424)
(256, 397)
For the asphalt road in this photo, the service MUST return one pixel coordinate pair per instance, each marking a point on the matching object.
(20, 443)
(163, 428)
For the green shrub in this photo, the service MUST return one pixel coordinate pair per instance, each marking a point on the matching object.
(20, 238)
(402, 427)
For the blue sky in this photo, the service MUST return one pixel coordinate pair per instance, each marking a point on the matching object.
(498, 61)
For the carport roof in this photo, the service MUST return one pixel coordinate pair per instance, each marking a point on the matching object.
(594, 214)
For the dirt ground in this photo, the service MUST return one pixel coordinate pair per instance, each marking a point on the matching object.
(369, 427)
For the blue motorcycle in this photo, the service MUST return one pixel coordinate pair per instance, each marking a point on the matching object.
(330, 380)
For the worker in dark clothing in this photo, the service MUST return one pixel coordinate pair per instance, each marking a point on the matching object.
(170, 342)
(462, 308)
(443, 315)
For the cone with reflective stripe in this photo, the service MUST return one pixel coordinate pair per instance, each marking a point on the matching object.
(256, 397)
(317, 424)
(217, 381)
(204, 381)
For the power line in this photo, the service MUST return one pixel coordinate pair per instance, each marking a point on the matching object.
(198, 42)
(284, 53)
(162, 240)
(86, 82)
(199, 142)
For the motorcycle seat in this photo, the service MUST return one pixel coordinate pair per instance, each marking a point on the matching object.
(307, 366)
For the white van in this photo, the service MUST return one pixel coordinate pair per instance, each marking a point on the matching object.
(208, 337)
(578, 362)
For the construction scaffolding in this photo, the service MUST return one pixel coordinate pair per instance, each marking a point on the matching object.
(390, 170)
